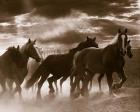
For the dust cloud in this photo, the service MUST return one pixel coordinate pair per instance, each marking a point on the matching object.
(127, 99)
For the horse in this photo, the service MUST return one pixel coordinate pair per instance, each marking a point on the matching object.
(11, 56)
(58, 65)
(128, 53)
(33, 64)
(64, 77)
(16, 73)
(100, 60)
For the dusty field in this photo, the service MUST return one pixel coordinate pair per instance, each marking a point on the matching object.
(126, 100)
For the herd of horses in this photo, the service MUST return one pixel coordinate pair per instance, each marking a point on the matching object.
(80, 64)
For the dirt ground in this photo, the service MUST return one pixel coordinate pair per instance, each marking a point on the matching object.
(125, 100)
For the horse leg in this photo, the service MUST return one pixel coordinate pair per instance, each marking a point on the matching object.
(61, 82)
(55, 83)
(90, 84)
(18, 88)
(75, 84)
(109, 81)
(99, 81)
(71, 80)
(123, 78)
(10, 84)
(40, 83)
(2, 82)
(87, 79)
(74, 76)
(51, 80)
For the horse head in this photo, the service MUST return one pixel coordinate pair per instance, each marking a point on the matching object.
(122, 41)
(16, 56)
(31, 50)
(89, 42)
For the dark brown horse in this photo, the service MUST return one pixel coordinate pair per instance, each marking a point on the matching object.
(17, 73)
(58, 65)
(11, 56)
(129, 54)
(100, 60)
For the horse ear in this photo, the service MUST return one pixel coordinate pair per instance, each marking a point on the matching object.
(18, 47)
(119, 30)
(29, 41)
(128, 41)
(94, 39)
(88, 38)
(34, 41)
(125, 31)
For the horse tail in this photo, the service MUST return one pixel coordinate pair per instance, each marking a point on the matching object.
(37, 74)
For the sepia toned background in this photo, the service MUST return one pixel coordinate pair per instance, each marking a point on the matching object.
(58, 26)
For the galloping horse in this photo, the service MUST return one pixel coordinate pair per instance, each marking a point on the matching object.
(16, 73)
(128, 53)
(100, 60)
(58, 65)
(11, 56)
(33, 64)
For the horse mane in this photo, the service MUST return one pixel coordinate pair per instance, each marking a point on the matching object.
(15, 55)
(75, 49)
(11, 51)
(10, 48)
(23, 47)
(114, 40)
(40, 51)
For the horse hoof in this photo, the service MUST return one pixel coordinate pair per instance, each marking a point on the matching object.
(51, 96)
(116, 86)
(113, 95)
(75, 95)
(51, 93)
(84, 94)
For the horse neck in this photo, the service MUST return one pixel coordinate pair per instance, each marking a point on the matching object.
(113, 50)
(24, 54)
(73, 51)
(41, 53)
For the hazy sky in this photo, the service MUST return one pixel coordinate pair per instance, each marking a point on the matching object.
(65, 22)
